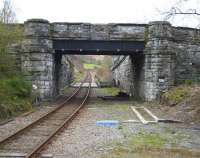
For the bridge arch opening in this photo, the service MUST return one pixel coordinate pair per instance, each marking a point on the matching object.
(122, 49)
(126, 72)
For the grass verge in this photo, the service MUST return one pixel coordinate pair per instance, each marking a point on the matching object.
(176, 94)
(146, 145)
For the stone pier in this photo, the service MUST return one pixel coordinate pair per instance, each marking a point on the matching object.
(38, 56)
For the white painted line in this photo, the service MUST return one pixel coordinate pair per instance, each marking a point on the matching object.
(86, 84)
(139, 115)
(12, 155)
(131, 121)
(151, 114)
(18, 155)
(46, 156)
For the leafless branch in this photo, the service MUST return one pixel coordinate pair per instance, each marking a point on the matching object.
(7, 14)
(177, 10)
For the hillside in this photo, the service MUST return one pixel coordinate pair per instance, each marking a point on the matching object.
(98, 64)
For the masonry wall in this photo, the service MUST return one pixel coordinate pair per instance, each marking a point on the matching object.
(40, 63)
(87, 31)
(187, 46)
(123, 75)
(66, 73)
(171, 54)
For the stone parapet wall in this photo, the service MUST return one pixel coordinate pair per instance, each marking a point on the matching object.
(86, 31)
(187, 63)
(186, 35)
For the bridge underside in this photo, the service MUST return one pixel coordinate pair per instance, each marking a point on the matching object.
(90, 47)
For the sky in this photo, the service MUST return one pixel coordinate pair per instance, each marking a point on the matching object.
(98, 11)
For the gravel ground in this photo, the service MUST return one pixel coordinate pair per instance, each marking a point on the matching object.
(84, 139)
(22, 121)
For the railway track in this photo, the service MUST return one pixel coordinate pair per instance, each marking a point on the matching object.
(33, 138)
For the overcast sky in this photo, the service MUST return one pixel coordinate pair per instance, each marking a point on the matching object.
(97, 11)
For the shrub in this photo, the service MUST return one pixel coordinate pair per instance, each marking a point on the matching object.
(176, 95)
(15, 96)
(19, 86)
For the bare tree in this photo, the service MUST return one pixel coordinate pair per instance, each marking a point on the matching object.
(7, 13)
(10, 35)
(187, 10)
(178, 10)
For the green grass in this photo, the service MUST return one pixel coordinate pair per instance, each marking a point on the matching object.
(146, 145)
(177, 94)
(111, 90)
(135, 143)
(146, 139)
(15, 96)
(91, 66)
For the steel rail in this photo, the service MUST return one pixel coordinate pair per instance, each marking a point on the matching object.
(20, 131)
(40, 146)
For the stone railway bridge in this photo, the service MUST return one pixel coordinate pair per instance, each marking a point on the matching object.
(158, 54)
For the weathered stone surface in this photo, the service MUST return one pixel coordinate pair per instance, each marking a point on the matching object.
(156, 72)
(171, 55)
(159, 60)
(127, 32)
(81, 31)
(37, 45)
(37, 58)
(99, 32)
(159, 29)
(71, 31)
(66, 73)
(123, 75)
(187, 35)
(37, 27)
(187, 63)
(60, 30)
